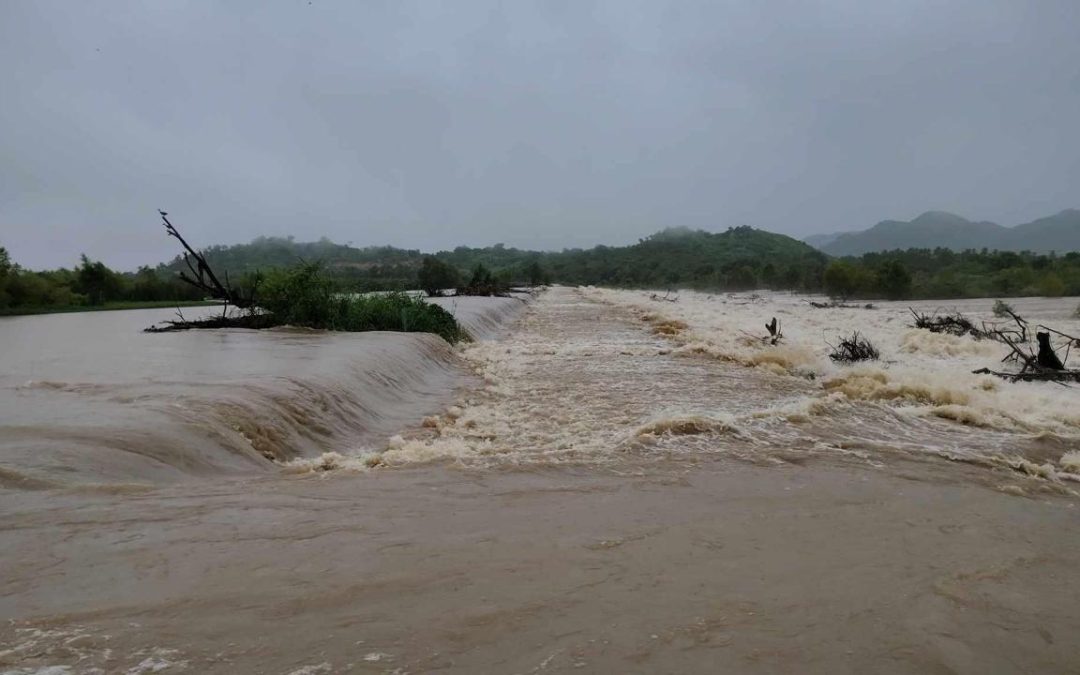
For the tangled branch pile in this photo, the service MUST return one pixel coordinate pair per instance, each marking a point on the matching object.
(1037, 361)
(853, 349)
(953, 324)
(959, 325)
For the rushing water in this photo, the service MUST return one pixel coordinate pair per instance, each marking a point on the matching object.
(90, 398)
(615, 484)
(606, 375)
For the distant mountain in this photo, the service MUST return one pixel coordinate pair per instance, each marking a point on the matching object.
(1059, 232)
(820, 241)
(940, 229)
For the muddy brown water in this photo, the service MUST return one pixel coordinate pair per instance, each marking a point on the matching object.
(577, 494)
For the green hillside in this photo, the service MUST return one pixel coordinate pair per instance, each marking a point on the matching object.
(739, 258)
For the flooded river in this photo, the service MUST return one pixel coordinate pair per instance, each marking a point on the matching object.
(608, 483)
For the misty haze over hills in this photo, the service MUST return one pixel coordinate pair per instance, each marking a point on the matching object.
(933, 229)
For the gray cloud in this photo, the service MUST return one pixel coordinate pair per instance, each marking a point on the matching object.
(546, 125)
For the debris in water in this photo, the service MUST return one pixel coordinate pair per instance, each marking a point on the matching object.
(853, 349)
(952, 324)
(1038, 362)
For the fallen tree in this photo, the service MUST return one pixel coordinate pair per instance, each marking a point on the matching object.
(303, 295)
(248, 320)
(203, 276)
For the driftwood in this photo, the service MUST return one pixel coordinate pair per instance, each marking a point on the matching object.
(1038, 362)
(853, 349)
(838, 305)
(952, 324)
(255, 321)
(775, 333)
(1041, 375)
(959, 325)
(773, 338)
(751, 299)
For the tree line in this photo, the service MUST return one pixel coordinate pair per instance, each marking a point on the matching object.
(90, 284)
(943, 274)
(739, 259)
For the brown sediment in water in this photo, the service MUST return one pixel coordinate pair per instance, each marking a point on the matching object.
(596, 503)
(98, 401)
(814, 569)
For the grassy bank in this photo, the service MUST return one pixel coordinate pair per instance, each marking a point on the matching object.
(106, 307)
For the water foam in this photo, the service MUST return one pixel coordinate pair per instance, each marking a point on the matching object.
(927, 374)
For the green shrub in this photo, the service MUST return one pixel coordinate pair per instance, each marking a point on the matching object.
(398, 312)
(304, 296)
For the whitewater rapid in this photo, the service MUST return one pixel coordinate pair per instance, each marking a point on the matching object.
(596, 376)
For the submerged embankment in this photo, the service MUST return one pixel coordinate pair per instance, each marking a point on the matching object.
(90, 399)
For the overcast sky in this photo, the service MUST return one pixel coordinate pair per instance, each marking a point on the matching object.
(537, 124)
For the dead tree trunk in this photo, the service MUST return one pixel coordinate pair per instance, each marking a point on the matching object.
(203, 276)
(1047, 358)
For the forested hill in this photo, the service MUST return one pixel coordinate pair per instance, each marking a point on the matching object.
(938, 229)
(738, 259)
(741, 257)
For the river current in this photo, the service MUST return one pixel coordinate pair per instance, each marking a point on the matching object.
(603, 481)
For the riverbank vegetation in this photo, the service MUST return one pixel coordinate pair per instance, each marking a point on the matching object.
(90, 285)
(302, 295)
(104, 307)
(738, 259)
